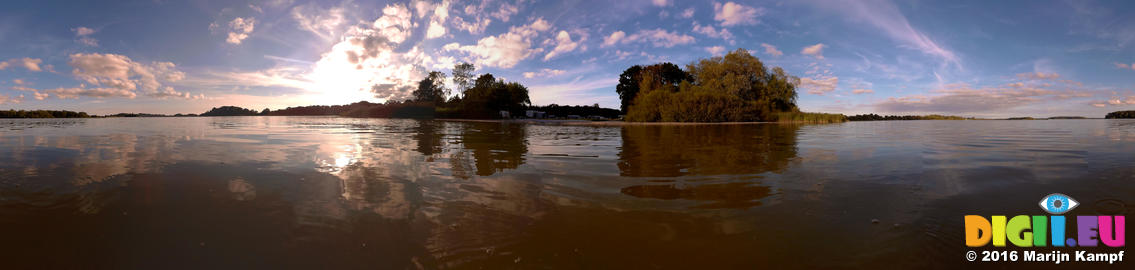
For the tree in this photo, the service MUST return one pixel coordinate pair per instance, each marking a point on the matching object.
(463, 76)
(432, 89)
(628, 86)
(489, 95)
(741, 74)
(661, 74)
(734, 87)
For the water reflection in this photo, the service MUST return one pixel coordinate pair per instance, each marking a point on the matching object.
(669, 151)
(494, 147)
(301, 192)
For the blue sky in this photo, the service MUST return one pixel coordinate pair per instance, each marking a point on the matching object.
(971, 58)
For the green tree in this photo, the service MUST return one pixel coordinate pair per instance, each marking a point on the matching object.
(463, 76)
(734, 87)
(628, 86)
(489, 95)
(655, 76)
(432, 89)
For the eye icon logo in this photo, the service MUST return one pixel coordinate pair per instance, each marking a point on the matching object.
(1057, 203)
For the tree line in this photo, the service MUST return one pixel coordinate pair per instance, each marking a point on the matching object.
(42, 114)
(876, 117)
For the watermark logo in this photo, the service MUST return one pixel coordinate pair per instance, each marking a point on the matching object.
(1058, 204)
(1025, 231)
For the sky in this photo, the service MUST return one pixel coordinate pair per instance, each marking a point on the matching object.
(968, 58)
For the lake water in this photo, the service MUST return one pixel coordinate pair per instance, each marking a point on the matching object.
(333, 193)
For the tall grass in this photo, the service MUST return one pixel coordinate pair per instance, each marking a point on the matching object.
(811, 118)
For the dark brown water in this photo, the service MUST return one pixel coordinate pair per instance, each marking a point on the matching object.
(333, 193)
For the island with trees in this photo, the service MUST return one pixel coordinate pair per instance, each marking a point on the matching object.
(1120, 115)
(736, 87)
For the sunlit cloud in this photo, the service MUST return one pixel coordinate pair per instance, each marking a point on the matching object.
(816, 51)
(771, 50)
(730, 14)
(83, 36)
(31, 64)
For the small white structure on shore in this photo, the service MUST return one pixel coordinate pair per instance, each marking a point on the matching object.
(534, 114)
(505, 115)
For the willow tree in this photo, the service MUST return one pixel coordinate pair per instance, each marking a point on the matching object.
(734, 87)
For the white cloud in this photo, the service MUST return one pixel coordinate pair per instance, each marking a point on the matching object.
(687, 13)
(564, 44)
(480, 15)
(715, 50)
(370, 62)
(324, 23)
(730, 14)
(82, 35)
(438, 14)
(239, 29)
(712, 32)
(1038, 76)
(31, 64)
(544, 73)
(505, 50)
(117, 75)
(14, 100)
(613, 39)
(1125, 66)
(771, 50)
(820, 85)
(394, 25)
(657, 37)
(473, 27)
(814, 50)
(862, 91)
(661, 3)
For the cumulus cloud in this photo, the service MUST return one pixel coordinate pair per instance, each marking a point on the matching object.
(819, 85)
(715, 50)
(438, 14)
(962, 98)
(480, 15)
(814, 50)
(83, 35)
(564, 44)
(1038, 76)
(119, 76)
(31, 64)
(730, 14)
(661, 3)
(1125, 66)
(862, 91)
(13, 100)
(687, 13)
(239, 29)
(544, 73)
(371, 61)
(324, 23)
(712, 32)
(505, 50)
(657, 37)
(771, 50)
(613, 39)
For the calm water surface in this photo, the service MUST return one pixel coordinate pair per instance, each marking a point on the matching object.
(330, 193)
